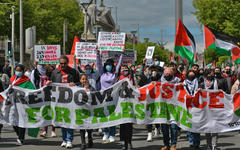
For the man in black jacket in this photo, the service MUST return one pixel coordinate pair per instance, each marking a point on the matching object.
(67, 75)
(221, 81)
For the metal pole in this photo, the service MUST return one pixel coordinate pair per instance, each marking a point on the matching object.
(138, 33)
(21, 34)
(116, 28)
(178, 12)
(64, 36)
(13, 56)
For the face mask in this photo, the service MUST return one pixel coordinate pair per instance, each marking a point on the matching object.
(218, 74)
(88, 72)
(181, 69)
(108, 68)
(210, 78)
(138, 70)
(191, 78)
(156, 63)
(18, 73)
(228, 72)
(168, 77)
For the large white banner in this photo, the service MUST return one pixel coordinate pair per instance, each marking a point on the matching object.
(72, 107)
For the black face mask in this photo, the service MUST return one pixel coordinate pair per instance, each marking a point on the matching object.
(218, 74)
(210, 78)
(191, 78)
(168, 77)
(228, 72)
(181, 69)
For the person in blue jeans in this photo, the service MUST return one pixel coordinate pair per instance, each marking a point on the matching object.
(65, 75)
(108, 75)
(168, 77)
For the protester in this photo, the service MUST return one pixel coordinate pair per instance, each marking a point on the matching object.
(168, 77)
(4, 78)
(191, 85)
(28, 72)
(84, 83)
(236, 85)
(1, 89)
(230, 77)
(39, 78)
(108, 75)
(126, 129)
(7, 69)
(176, 73)
(20, 80)
(221, 82)
(65, 74)
(92, 76)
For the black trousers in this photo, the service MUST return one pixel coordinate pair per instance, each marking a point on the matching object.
(126, 131)
(82, 135)
(20, 132)
(1, 125)
(149, 127)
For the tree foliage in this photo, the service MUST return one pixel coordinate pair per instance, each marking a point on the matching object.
(221, 15)
(210, 56)
(48, 16)
(141, 48)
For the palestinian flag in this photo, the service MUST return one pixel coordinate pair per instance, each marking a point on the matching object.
(184, 43)
(236, 55)
(222, 43)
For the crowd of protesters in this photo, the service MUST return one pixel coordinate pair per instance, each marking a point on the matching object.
(105, 75)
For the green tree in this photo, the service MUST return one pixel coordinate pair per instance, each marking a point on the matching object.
(48, 16)
(221, 15)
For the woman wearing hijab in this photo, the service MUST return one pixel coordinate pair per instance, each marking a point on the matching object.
(108, 75)
(20, 80)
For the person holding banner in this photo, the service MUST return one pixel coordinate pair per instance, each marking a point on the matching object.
(39, 78)
(168, 77)
(126, 129)
(92, 76)
(1, 89)
(108, 75)
(84, 83)
(20, 80)
(65, 74)
(191, 85)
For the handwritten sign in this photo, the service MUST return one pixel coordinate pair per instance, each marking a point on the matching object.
(111, 41)
(85, 50)
(47, 54)
(128, 56)
(150, 52)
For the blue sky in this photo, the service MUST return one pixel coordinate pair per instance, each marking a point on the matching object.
(153, 16)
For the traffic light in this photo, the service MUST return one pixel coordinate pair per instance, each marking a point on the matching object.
(9, 48)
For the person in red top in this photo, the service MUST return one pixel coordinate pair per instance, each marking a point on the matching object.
(177, 74)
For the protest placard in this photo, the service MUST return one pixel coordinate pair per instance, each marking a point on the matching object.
(111, 41)
(150, 52)
(85, 50)
(47, 54)
(128, 56)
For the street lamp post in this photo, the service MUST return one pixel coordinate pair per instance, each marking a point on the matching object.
(13, 56)
(133, 34)
(21, 33)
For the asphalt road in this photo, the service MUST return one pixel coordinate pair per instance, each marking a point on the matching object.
(227, 141)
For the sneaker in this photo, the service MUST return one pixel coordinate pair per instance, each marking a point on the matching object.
(43, 134)
(156, 132)
(63, 144)
(86, 134)
(69, 145)
(111, 139)
(19, 142)
(149, 138)
(53, 134)
(105, 137)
